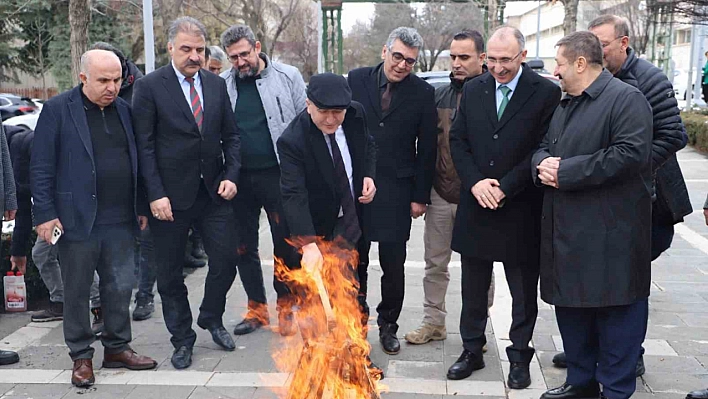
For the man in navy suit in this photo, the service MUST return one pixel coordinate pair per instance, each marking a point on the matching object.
(189, 159)
(84, 181)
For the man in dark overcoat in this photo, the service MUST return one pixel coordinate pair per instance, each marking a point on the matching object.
(595, 165)
(401, 116)
(503, 115)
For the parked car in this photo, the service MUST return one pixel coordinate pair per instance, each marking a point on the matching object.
(681, 82)
(28, 120)
(13, 105)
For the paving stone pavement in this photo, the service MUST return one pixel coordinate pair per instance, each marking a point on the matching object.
(676, 347)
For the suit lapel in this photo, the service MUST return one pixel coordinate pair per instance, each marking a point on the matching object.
(489, 100)
(209, 93)
(400, 93)
(173, 87)
(128, 129)
(78, 115)
(322, 155)
(524, 89)
(372, 87)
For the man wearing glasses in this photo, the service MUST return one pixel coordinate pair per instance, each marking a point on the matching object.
(402, 118)
(265, 97)
(500, 122)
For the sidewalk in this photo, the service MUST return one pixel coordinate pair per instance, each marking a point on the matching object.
(676, 346)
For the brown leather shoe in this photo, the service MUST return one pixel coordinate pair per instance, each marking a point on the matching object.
(82, 376)
(128, 359)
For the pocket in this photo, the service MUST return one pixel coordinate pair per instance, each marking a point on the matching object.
(280, 108)
(65, 209)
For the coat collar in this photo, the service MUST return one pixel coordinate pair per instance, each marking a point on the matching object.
(174, 88)
(78, 115)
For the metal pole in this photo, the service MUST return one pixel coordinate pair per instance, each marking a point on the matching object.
(320, 42)
(149, 37)
(694, 48)
(538, 32)
(698, 82)
(325, 44)
(340, 44)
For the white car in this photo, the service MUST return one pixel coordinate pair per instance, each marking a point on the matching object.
(28, 120)
(681, 82)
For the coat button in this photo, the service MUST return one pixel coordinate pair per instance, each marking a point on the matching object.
(496, 136)
(381, 124)
(491, 163)
(93, 197)
(555, 140)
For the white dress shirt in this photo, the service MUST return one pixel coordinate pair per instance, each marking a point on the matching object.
(185, 87)
(346, 157)
(511, 85)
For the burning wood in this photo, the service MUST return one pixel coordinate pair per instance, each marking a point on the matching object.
(331, 360)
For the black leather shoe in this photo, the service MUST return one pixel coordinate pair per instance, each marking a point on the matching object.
(640, 366)
(567, 391)
(389, 341)
(700, 394)
(182, 358)
(465, 365)
(222, 338)
(375, 371)
(519, 376)
(8, 357)
(559, 360)
(247, 326)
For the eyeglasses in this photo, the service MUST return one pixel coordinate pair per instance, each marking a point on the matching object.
(607, 44)
(398, 57)
(243, 55)
(503, 61)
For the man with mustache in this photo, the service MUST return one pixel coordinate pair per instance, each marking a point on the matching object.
(265, 96)
(189, 159)
(502, 116)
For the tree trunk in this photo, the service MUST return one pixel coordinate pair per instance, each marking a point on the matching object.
(79, 18)
(571, 16)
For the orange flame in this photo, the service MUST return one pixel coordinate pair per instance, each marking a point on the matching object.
(331, 359)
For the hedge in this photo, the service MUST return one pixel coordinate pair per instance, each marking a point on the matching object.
(697, 129)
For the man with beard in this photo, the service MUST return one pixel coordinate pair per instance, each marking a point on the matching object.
(265, 96)
(467, 56)
(189, 159)
(671, 202)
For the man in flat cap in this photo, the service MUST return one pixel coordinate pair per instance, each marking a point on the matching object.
(327, 166)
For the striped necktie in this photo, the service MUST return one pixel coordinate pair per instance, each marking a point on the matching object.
(195, 103)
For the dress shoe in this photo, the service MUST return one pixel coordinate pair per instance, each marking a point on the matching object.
(465, 365)
(128, 359)
(640, 366)
(700, 394)
(286, 327)
(198, 248)
(222, 338)
(567, 391)
(389, 341)
(559, 360)
(192, 262)
(182, 358)
(97, 323)
(144, 307)
(519, 376)
(375, 371)
(54, 313)
(256, 318)
(8, 357)
(82, 375)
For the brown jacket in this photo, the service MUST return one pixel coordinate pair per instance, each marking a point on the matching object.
(446, 182)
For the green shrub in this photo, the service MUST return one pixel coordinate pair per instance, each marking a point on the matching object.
(36, 291)
(697, 129)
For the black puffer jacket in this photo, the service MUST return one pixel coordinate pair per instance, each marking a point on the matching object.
(672, 201)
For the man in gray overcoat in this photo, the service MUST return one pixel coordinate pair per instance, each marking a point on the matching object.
(595, 165)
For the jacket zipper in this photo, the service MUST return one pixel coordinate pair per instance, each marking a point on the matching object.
(280, 108)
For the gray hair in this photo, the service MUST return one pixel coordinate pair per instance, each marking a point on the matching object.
(620, 24)
(187, 25)
(582, 44)
(408, 36)
(236, 33)
(217, 53)
(504, 30)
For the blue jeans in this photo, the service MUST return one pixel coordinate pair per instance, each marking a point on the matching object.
(109, 250)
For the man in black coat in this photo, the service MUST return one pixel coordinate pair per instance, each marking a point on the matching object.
(671, 202)
(595, 165)
(502, 116)
(189, 160)
(401, 116)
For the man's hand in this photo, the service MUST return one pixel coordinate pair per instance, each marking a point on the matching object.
(487, 193)
(418, 210)
(548, 171)
(368, 192)
(9, 215)
(161, 209)
(19, 263)
(498, 195)
(227, 190)
(44, 230)
(311, 258)
(142, 222)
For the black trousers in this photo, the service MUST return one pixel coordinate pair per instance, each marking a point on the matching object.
(603, 345)
(392, 257)
(261, 189)
(522, 277)
(215, 223)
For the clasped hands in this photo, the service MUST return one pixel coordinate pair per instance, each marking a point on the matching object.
(488, 193)
(548, 171)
